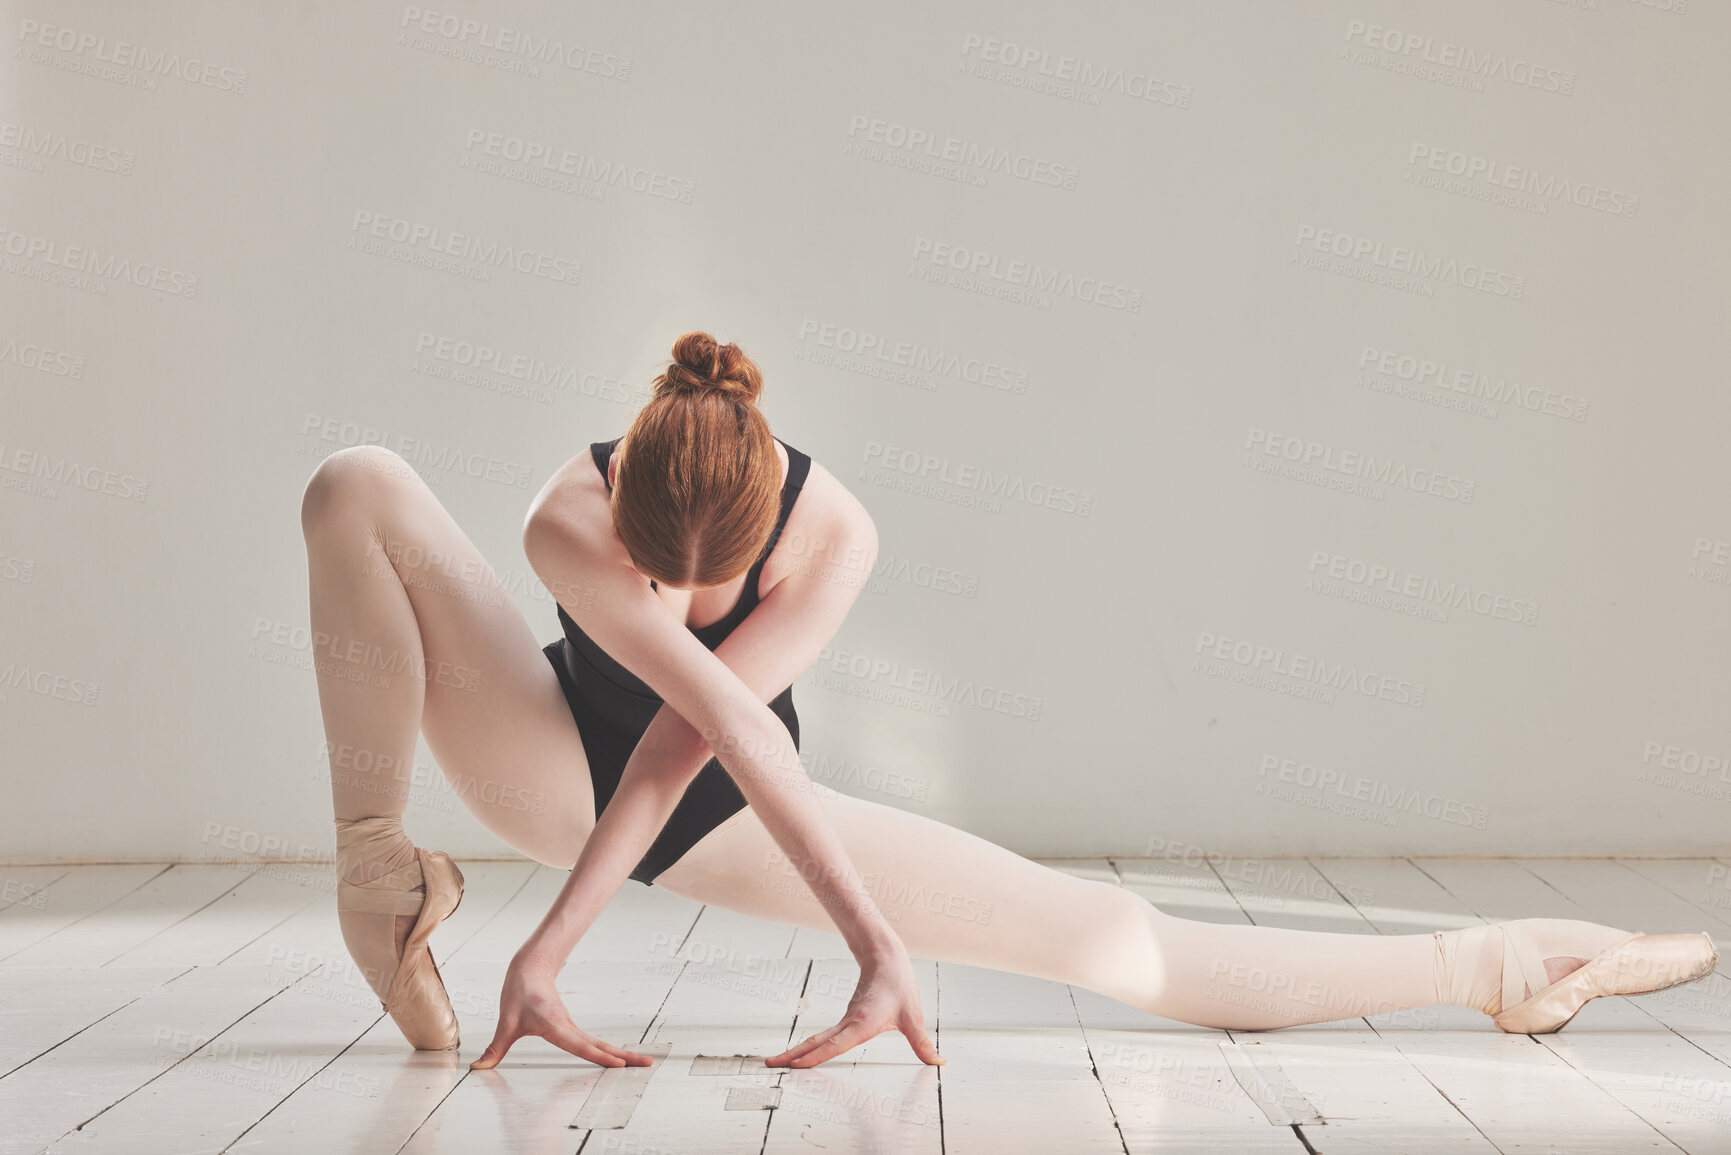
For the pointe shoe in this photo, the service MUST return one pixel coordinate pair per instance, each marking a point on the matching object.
(1638, 965)
(408, 985)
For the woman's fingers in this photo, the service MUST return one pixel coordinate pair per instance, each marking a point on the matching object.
(924, 1048)
(567, 1037)
(632, 1058)
(850, 1036)
(502, 1040)
(792, 1053)
(845, 1036)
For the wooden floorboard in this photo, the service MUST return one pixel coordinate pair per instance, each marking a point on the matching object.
(1018, 1074)
(109, 1061)
(1372, 1092)
(267, 897)
(145, 912)
(211, 1007)
(1632, 1108)
(42, 1008)
(875, 1098)
(80, 893)
(528, 1101)
(375, 1086)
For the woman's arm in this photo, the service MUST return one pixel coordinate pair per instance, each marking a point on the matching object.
(777, 641)
(771, 648)
(574, 548)
(655, 774)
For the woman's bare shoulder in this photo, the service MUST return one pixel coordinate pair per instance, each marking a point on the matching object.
(573, 501)
(828, 501)
(828, 526)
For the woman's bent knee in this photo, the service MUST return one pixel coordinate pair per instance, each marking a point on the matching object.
(351, 478)
(1117, 946)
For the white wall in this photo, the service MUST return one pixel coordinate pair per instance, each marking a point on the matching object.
(1252, 184)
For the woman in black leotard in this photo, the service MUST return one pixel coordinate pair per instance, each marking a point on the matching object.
(683, 720)
(613, 707)
(606, 763)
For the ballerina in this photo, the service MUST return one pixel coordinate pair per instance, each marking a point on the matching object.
(699, 565)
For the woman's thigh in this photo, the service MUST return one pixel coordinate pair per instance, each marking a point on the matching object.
(950, 895)
(494, 715)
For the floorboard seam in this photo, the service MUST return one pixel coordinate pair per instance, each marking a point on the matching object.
(346, 1048)
(184, 1058)
(144, 883)
(291, 914)
(938, 1041)
(43, 889)
(1094, 1069)
(239, 882)
(92, 1023)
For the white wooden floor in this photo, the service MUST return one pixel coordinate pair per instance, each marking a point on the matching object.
(151, 1008)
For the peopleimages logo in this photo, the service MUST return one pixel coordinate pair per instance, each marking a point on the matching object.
(930, 469)
(926, 144)
(46, 144)
(1020, 274)
(43, 360)
(1327, 570)
(1419, 266)
(81, 262)
(1349, 470)
(39, 471)
(417, 451)
(1481, 64)
(1261, 661)
(864, 349)
(892, 674)
(1379, 795)
(1070, 77)
(124, 54)
(1474, 383)
(1545, 187)
(47, 683)
(553, 158)
(1701, 771)
(515, 42)
(435, 241)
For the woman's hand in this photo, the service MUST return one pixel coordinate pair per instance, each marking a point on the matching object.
(530, 1004)
(886, 999)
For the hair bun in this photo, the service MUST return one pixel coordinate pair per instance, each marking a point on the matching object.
(701, 364)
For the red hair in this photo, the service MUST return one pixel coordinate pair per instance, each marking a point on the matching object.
(697, 488)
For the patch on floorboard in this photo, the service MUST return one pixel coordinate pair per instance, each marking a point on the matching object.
(726, 1064)
(616, 1093)
(1260, 1076)
(752, 1098)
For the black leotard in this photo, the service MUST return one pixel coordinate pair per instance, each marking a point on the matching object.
(613, 707)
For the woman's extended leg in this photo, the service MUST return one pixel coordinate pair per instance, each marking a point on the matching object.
(414, 633)
(955, 897)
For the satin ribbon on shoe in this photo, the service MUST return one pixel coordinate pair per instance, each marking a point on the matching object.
(408, 986)
(1481, 984)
